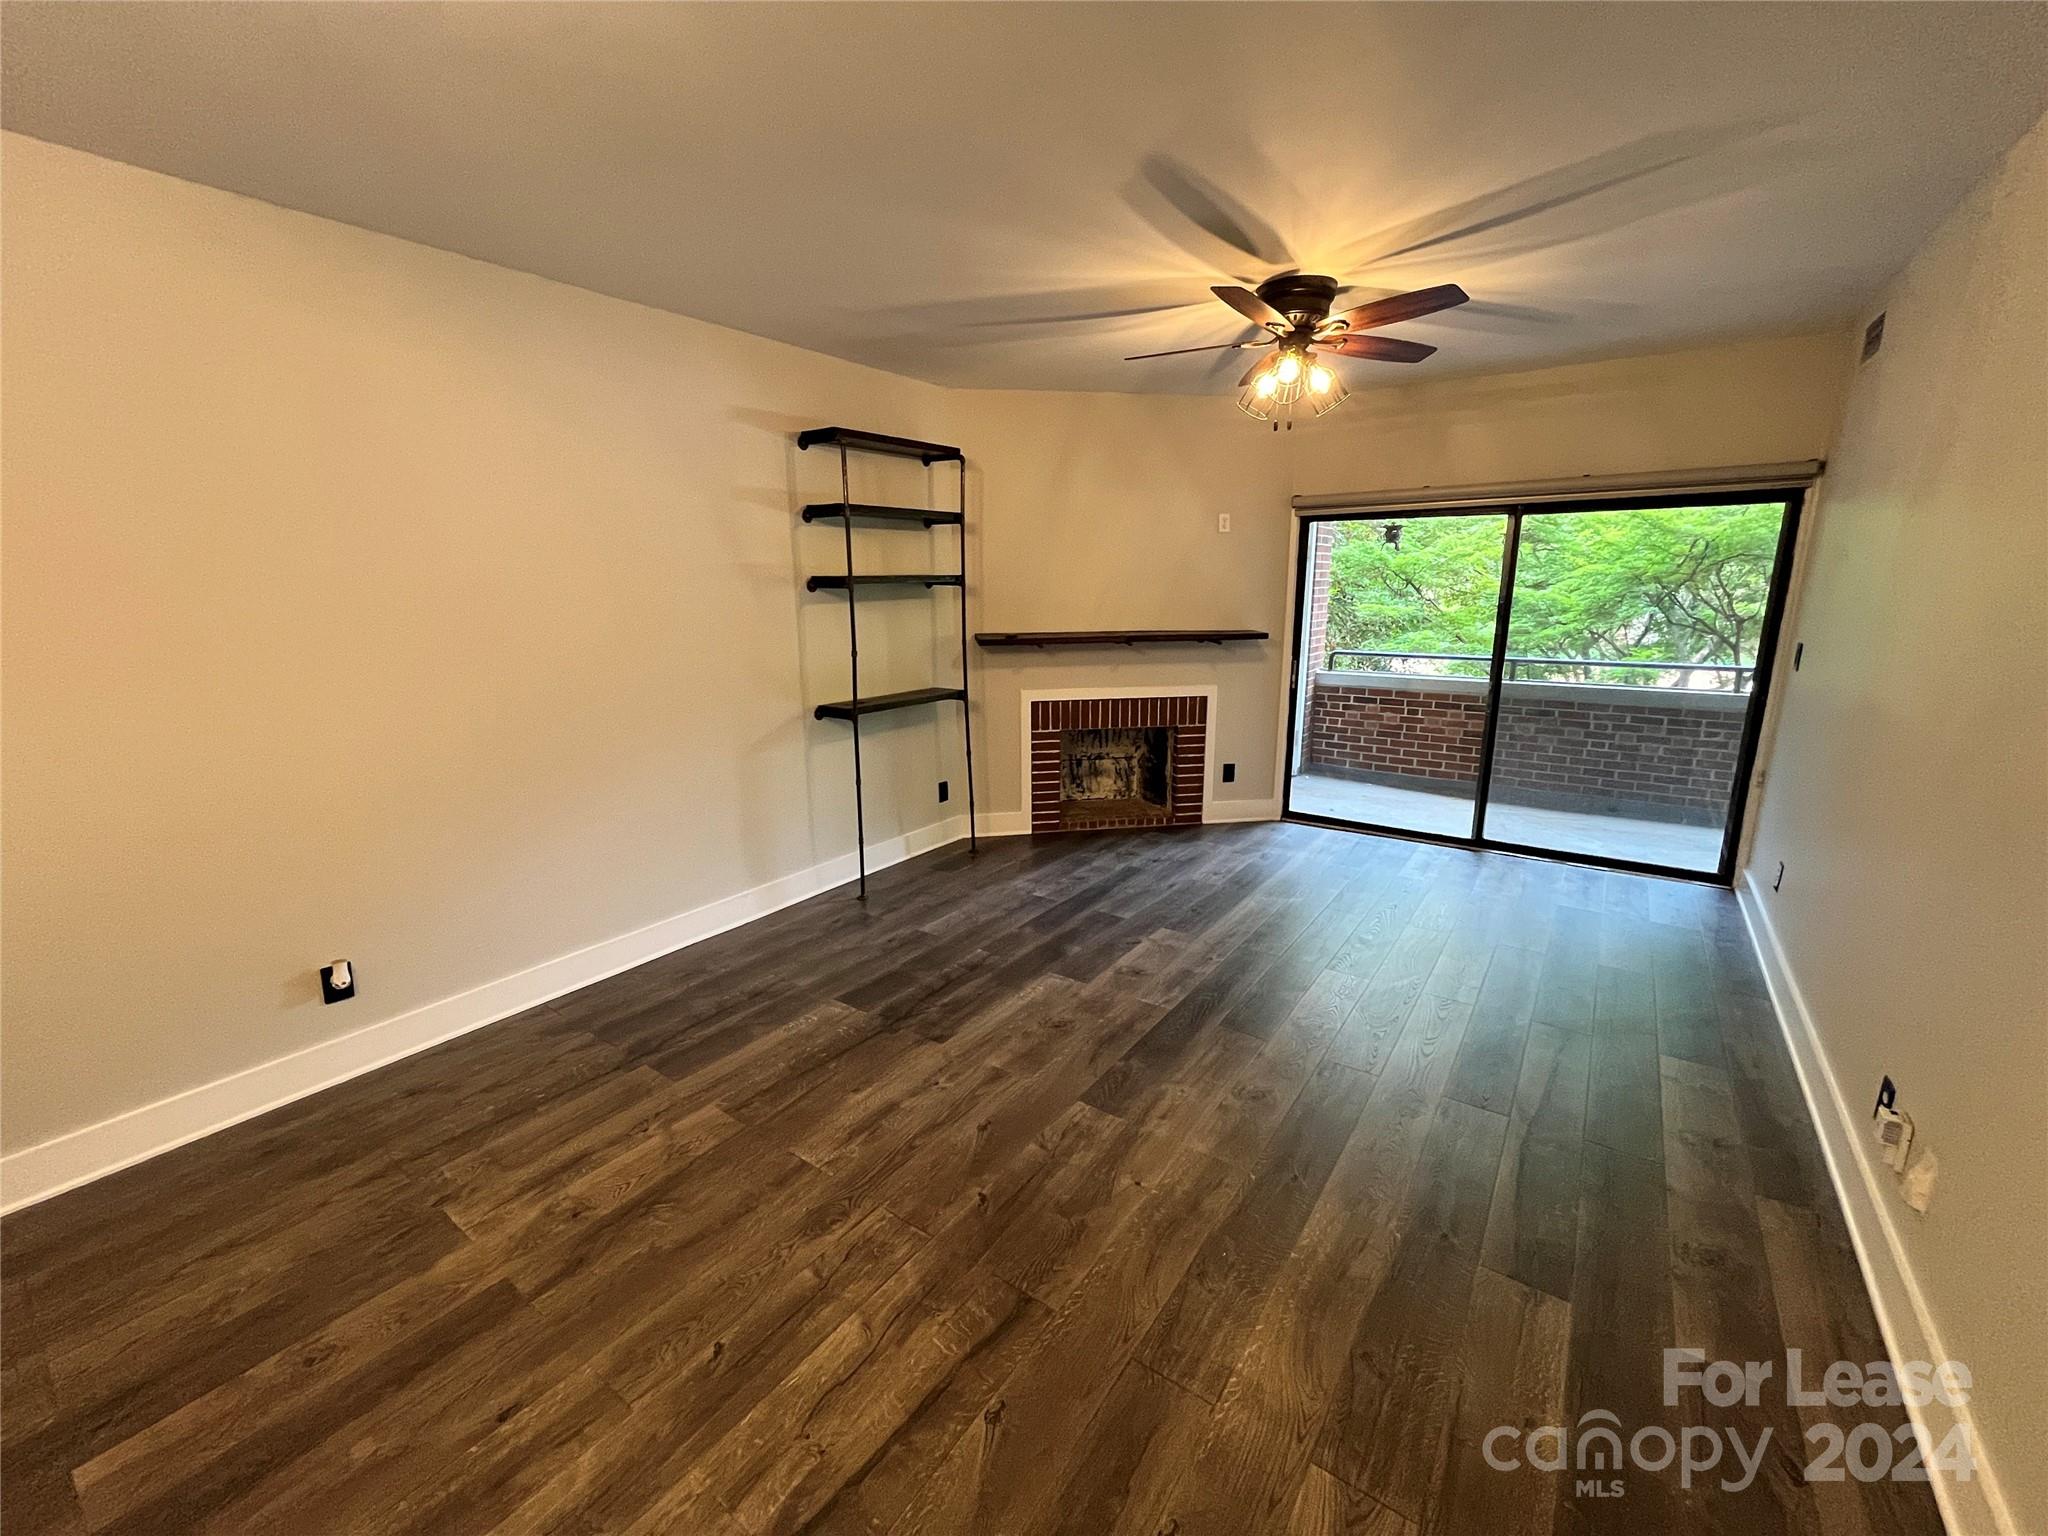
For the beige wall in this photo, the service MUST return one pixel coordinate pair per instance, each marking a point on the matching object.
(1100, 512)
(361, 599)
(1906, 796)
(1752, 402)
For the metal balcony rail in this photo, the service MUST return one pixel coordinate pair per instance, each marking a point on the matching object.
(1739, 674)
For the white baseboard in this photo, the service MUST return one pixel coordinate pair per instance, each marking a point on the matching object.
(1241, 810)
(1873, 1211)
(93, 1151)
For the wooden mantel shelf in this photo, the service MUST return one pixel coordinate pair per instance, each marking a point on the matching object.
(1010, 639)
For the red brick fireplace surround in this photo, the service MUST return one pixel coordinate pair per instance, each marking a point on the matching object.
(1186, 716)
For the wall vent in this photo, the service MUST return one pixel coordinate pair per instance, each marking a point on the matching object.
(1873, 338)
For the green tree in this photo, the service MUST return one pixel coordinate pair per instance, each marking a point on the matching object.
(1672, 585)
(1436, 589)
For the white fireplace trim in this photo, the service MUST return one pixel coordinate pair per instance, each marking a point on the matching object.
(1030, 696)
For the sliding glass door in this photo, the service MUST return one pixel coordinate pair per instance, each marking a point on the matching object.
(1395, 705)
(1576, 679)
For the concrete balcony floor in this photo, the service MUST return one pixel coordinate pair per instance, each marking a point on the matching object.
(1669, 843)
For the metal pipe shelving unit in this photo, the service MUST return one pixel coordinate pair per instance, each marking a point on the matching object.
(846, 512)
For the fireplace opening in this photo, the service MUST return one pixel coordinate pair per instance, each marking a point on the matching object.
(1102, 764)
(1120, 774)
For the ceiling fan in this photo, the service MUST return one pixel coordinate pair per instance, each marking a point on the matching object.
(1293, 310)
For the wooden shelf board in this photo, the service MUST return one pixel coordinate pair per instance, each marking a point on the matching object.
(869, 512)
(1050, 637)
(921, 579)
(881, 703)
(878, 442)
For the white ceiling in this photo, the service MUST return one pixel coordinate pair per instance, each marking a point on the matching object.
(940, 189)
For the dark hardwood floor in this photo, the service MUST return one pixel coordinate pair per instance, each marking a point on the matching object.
(1229, 1181)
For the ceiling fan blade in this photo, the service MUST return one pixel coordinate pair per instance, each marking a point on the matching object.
(1252, 307)
(1402, 306)
(1221, 346)
(1385, 349)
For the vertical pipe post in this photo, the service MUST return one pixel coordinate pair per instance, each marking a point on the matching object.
(860, 831)
(966, 695)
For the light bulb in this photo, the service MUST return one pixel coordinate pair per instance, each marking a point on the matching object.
(1320, 379)
(1266, 385)
(1289, 369)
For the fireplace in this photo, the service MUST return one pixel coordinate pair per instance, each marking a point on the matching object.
(1120, 773)
(1099, 763)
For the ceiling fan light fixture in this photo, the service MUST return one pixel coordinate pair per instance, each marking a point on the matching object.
(1291, 376)
(1326, 390)
(1288, 374)
(1294, 308)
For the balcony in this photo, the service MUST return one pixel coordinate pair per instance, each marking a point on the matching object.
(1638, 766)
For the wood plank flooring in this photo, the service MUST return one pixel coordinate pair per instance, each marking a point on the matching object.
(1230, 1181)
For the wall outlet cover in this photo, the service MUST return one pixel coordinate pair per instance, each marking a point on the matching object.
(339, 989)
(1895, 1135)
(945, 791)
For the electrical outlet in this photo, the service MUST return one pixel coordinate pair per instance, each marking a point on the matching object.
(1223, 522)
(1230, 773)
(1895, 1135)
(1887, 1096)
(337, 982)
(945, 791)
(1778, 880)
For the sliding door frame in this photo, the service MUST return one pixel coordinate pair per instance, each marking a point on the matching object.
(1793, 497)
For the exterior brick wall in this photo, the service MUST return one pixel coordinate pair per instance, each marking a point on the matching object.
(1188, 717)
(1396, 730)
(1557, 745)
(1630, 752)
(1317, 647)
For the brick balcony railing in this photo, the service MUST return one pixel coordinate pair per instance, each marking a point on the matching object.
(1663, 753)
